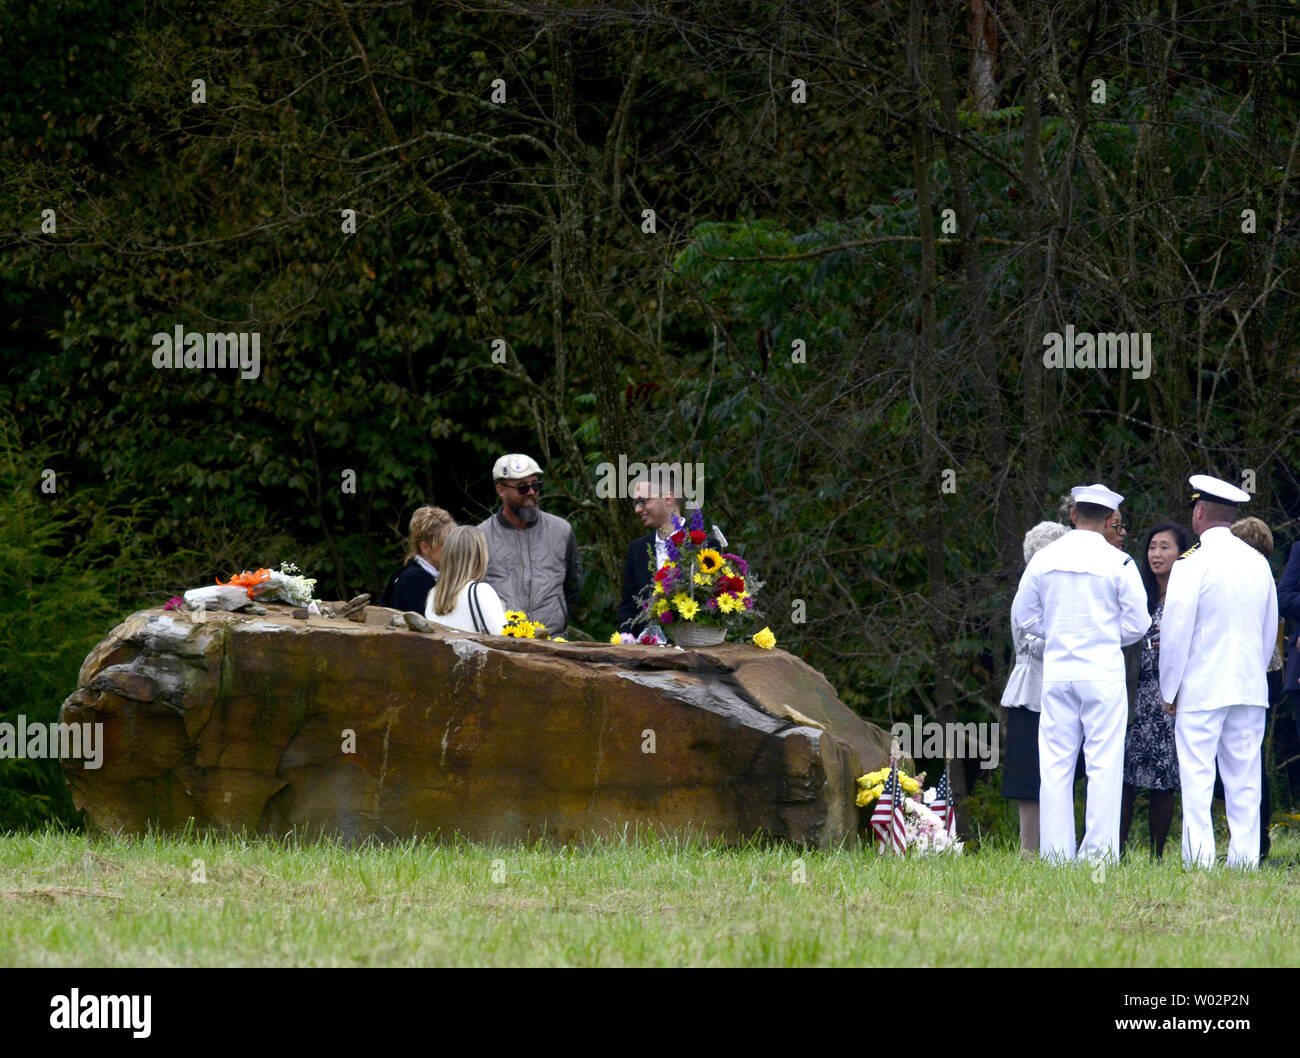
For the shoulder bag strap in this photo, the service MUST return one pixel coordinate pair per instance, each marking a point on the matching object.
(475, 609)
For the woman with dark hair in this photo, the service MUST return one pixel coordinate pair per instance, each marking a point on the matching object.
(1150, 753)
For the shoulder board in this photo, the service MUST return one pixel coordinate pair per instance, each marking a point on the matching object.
(1190, 549)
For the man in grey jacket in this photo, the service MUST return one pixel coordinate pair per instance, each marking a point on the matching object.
(533, 560)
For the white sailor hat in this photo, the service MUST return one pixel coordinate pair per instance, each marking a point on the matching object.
(1212, 490)
(514, 465)
(1097, 494)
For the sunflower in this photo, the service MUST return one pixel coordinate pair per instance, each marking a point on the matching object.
(710, 560)
(515, 616)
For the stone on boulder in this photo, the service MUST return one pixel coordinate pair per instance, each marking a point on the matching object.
(269, 724)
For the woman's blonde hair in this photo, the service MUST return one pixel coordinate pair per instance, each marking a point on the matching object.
(464, 560)
(429, 525)
(1256, 533)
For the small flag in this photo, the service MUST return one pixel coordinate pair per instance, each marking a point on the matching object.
(887, 818)
(943, 806)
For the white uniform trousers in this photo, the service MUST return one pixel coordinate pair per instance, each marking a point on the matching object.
(1235, 734)
(1094, 714)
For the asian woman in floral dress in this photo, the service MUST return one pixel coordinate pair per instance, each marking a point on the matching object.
(1150, 754)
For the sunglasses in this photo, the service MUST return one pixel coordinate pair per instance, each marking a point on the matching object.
(532, 486)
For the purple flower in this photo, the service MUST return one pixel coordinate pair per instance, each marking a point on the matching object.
(673, 553)
(749, 603)
(666, 617)
(697, 519)
(174, 603)
(740, 562)
(677, 521)
(712, 604)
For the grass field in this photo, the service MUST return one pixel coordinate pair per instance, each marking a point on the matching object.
(66, 900)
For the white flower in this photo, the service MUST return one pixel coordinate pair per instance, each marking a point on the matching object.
(285, 585)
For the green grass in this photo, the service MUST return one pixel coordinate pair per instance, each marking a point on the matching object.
(68, 900)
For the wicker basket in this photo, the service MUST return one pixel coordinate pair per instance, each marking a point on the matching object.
(689, 634)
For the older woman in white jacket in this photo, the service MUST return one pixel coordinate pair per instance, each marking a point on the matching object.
(1022, 700)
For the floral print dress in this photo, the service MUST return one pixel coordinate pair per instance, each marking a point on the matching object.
(1150, 754)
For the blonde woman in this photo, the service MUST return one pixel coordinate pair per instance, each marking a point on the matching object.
(463, 599)
(412, 585)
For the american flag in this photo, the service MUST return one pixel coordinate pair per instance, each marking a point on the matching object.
(943, 806)
(887, 818)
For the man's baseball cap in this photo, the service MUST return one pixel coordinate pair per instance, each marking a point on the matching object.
(514, 465)
(1212, 490)
(1097, 494)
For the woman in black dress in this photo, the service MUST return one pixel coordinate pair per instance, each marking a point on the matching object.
(1150, 754)
(409, 587)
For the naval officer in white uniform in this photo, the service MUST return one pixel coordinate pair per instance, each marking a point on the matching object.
(1216, 640)
(1085, 599)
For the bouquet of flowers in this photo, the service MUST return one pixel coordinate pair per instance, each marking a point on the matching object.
(699, 583)
(285, 584)
(647, 639)
(924, 831)
(518, 625)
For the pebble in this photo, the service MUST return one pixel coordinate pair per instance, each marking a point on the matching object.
(416, 623)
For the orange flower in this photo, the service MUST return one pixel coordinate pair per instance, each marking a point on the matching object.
(246, 580)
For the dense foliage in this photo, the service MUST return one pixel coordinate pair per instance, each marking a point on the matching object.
(839, 312)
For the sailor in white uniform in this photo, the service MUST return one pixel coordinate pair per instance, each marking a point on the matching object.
(1085, 599)
(1216, 640)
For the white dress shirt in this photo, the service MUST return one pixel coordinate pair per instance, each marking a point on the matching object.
(1219, 625)
(661, 551)
(1086, 600)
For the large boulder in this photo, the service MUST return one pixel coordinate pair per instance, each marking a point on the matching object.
(269, 723)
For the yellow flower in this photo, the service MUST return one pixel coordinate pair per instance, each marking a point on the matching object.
(615, 638)
(726, 572)
(514, 616)
(686, 606)
(869, 795)
(909, 784)
(660, 606)
(763, 638)
(730, 604)
(710, 561)
(559, 639)
(701, 578)
(659, 588)
(874, 778)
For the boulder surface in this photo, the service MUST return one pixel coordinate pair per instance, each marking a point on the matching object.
(268, 724)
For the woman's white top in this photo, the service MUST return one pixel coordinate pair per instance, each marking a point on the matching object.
(1025, 684)
(494, 614)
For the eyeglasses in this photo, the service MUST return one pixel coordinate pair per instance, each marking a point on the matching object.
(638, 504)
(532, 486)
(1118, 527)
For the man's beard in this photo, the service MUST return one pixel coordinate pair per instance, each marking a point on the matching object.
(526, 514)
